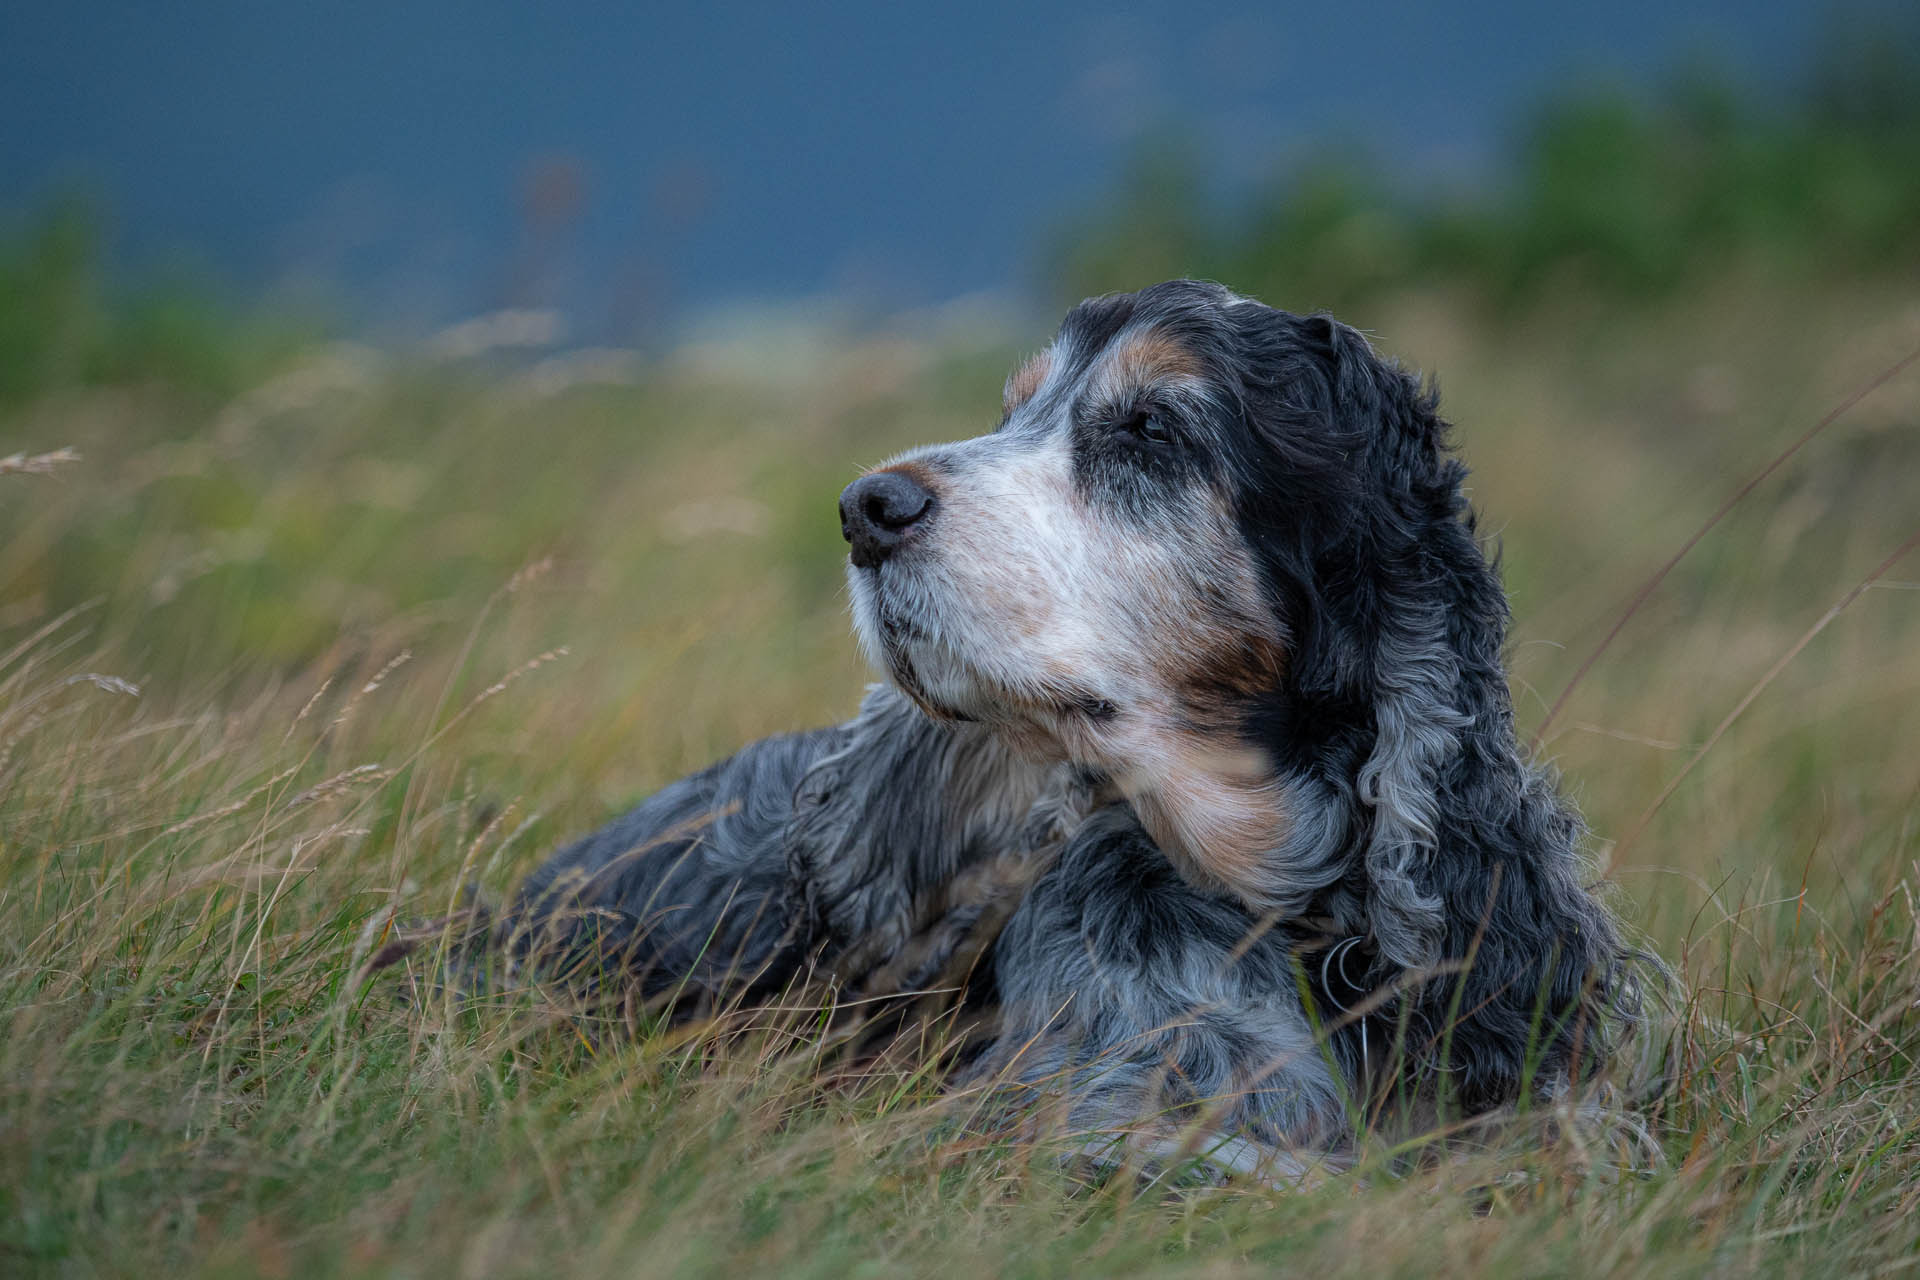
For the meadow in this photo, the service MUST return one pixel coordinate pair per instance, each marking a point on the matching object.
(291, 653)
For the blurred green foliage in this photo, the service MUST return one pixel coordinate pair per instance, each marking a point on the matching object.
(1608, 192)
(62, 324)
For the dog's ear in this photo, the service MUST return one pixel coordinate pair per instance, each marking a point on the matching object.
(1471, 859)
(1385, 628)
(1389, 409)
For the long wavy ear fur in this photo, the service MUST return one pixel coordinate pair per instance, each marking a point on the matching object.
(1472, 864)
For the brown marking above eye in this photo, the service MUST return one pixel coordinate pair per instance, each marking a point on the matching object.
(1141, 359)
(1026, 380)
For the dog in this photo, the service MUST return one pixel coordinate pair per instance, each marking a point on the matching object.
(1195, 760)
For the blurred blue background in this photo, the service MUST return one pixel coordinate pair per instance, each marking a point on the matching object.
(398, 165)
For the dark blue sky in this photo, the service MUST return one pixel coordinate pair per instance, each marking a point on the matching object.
(382, 152)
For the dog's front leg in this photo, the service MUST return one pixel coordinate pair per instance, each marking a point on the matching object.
(1162, 1022)
(913, 836)
(959, 920)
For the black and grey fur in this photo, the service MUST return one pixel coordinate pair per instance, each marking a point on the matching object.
(1201, 637)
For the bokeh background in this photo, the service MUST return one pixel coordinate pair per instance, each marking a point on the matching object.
(420, 426)
(394, 168)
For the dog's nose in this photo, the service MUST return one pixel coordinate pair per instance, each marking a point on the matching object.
(878, 510)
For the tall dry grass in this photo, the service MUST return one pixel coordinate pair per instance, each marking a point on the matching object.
(278, 671)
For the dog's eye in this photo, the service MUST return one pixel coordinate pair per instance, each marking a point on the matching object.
(1149, 426)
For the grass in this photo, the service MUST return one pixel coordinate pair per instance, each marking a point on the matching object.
(396, 621)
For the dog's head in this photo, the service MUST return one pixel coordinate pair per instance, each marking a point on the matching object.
(1145, 567)
(1220, 552)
